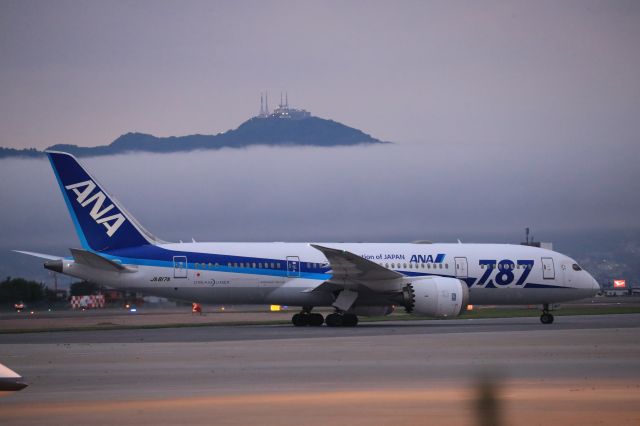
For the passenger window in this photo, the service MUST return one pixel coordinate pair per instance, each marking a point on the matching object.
(441, 266)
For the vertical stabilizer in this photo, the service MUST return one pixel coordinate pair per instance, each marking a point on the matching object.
(101, 223)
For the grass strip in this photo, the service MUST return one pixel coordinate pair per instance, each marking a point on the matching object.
(483, 313)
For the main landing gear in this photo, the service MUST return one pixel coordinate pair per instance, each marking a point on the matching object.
(305, 318)
(338, 319)
(546, 317)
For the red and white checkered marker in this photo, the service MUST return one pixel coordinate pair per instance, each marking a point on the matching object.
(87, 302)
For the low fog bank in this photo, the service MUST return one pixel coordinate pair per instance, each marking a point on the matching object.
(388, 193)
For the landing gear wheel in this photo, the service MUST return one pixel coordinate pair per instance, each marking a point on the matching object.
(334, 320)
(546, 318)
(300, 320)
(349, 320)
(315, 320)
(341, 320)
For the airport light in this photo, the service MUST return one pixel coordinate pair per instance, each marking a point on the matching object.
(619, 284)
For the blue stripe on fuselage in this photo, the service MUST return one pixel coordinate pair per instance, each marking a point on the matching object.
(151, 255)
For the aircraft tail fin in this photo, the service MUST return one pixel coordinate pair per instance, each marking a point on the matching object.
(100, 222)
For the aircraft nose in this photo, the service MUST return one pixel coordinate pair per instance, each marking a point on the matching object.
(595, 287)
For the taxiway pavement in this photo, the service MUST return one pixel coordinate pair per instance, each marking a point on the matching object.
(580, 370)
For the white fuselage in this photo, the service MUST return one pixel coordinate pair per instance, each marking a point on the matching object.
(286, 273)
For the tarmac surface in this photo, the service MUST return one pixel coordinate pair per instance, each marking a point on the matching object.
(580, 370)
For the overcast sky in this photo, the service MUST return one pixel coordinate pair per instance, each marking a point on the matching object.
(505, 115)
(544, 72)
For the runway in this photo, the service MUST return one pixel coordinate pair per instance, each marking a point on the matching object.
(579, 370)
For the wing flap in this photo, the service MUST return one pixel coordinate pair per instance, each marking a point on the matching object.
(354, 273)
(348, 266)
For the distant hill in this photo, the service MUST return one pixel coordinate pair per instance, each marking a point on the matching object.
(10, 152)
(311, 131)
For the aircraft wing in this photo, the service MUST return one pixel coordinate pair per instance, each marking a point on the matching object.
(351, 271)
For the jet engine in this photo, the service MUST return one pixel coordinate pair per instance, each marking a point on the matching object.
(439, 297)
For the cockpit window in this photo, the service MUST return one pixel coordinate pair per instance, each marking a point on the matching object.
(576, 267)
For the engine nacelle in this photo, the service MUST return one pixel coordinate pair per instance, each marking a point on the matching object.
(371, 311)
(436, 297)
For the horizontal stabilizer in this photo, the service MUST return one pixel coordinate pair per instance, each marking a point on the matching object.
(40, 255)
(94, 260)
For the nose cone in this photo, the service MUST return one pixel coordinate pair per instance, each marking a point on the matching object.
(10, 380)
(596, 286)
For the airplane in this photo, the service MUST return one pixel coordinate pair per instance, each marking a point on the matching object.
(10, 381)
(353, 279)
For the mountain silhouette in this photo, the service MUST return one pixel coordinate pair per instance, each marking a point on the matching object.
(272, 131)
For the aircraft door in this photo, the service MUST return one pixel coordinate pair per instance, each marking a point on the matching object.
(180, 266)
(548, 270)
(293, 266)
(461, 267)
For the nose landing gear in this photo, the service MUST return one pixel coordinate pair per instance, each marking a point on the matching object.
(546, 317)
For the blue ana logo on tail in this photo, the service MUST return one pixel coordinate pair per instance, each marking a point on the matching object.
(83, 191)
